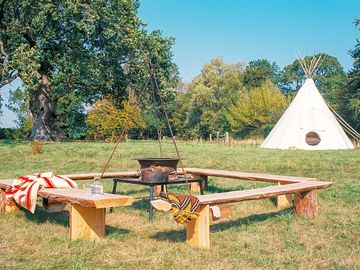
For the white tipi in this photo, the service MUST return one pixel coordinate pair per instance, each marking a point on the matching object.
(308, 122)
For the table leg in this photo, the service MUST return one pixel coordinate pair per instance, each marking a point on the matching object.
(113, 192)
(201, 183)
(206, 179)
(114, 186)
(150, 206)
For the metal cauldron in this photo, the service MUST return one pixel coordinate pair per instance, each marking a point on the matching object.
(158, 169)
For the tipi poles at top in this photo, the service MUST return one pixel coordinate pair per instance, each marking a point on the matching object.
(309, 69)
(304, 67)
(318, 63)
(312, 63)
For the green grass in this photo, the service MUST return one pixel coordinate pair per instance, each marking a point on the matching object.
(258, 236)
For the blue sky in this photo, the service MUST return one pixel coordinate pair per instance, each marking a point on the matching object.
(242, 30)
(247, 30)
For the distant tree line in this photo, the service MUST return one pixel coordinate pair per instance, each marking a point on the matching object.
(86, 71)
(249, 99)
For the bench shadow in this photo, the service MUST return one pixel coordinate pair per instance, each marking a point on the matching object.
(111, 230)
(222, 226)
(141, 204)
(62, 218)
(174, 236)
(273, 200)
(180, 236)
(41, 216)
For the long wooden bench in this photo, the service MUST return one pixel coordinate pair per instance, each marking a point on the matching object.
(282, 200)
(198, 231)
(272, 178)
(87, 212)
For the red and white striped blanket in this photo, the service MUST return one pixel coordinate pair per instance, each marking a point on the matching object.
(25, 188)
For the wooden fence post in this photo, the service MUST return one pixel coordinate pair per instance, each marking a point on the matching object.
(227, 137)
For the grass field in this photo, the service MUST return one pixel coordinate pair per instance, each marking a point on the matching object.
(258, 236)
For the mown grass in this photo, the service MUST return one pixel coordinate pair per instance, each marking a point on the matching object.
(258, 236)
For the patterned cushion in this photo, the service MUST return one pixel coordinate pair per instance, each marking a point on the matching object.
(185, 208)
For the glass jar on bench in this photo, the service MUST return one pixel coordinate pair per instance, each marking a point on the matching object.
(97, 187)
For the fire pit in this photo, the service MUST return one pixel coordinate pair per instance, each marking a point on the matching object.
(158, 169)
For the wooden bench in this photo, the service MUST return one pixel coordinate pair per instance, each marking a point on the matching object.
(198, 231)
(282, 201)
(87, 212)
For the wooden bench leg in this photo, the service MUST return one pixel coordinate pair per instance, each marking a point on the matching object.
(198, 231)
(7, 205)
(196, 186)
(86, 223)
(157, 189)
(224, 209)
(284, 201)
(306, 203)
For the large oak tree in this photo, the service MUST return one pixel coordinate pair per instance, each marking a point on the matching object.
(73, 52)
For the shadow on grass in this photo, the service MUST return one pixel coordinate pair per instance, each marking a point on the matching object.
(222, 226)
(62, 218)
(141, 204)
(273, 200)
(170, 236)
(113, 231)
(180, 236)
(41, 216)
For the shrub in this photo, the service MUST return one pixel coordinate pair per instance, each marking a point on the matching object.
(10, 134)
(36, 147)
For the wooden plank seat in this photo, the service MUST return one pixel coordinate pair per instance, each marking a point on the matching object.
(282, 200)
(272, 178)
(87, 212)
(198, 231)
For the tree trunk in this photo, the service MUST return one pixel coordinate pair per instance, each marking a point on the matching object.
(43, 108)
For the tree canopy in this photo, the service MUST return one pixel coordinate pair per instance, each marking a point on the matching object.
(71, 53)
(351, 98)
(256, 108)
(203, 108)
(258, 71)
(106, 119)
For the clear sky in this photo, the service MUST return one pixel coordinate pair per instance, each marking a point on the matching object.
(245, 30)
